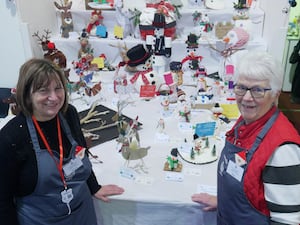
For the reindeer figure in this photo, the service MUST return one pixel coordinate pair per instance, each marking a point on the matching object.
(51, 52)
(43, 39)
(66, 18)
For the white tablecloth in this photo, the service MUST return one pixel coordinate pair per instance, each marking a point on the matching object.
(150, 198)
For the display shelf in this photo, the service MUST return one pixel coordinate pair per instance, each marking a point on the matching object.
(211, 59)
(81, 19)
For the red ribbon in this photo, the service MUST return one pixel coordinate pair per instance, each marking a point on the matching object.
(191, 57)
(141, 73)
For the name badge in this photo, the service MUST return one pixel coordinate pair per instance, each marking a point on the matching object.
(67, 196)
(72, 166)
(235, 170)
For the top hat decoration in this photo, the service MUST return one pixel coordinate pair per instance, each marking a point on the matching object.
(159, 20)
(137, 55)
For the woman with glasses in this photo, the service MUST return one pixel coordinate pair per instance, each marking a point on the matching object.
(259, 167)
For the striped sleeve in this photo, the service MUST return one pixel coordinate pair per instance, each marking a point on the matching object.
(281, 179)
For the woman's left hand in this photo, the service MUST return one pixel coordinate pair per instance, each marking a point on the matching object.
(108, 190)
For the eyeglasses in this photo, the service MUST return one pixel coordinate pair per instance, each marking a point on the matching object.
(256, 92)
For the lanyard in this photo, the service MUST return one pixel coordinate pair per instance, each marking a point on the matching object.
(60, 164)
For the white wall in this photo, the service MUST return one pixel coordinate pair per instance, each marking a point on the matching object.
(275, 26)
(40, 15)
(14, 43)
(18, 21)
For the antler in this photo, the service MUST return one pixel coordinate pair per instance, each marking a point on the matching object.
(40, 38)
(47, 36)
(122, 49)
(64, 6)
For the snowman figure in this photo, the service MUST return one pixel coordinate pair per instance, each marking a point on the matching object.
(159, 45)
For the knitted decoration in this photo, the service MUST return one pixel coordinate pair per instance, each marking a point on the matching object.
(236, 38)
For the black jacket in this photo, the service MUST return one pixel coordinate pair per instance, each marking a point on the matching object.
(295, 58)
(18, 166)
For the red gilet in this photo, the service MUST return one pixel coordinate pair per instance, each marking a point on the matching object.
(281, 132)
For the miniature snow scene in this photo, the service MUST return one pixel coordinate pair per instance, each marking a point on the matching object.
(203, 148)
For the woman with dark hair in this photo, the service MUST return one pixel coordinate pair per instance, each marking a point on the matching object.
(45, 173)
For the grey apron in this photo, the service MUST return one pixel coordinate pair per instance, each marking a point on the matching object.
(44, 206)
(235, 209)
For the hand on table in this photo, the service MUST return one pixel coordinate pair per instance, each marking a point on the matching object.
(108, 190)
(209, 201)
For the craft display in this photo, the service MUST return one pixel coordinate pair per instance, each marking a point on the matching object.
(125, 24)
(148, 15)
(51, 52)
(66, 18)
(241, 10)
(99, 4)
(100, 124)
(131, 149)
(85, 46)
(164, 93)
(172, 163)
(129, 138)
(159, 45)
(222, 28)
(217, 110)
(202, 150)
(231, 48)
(95, 26)
(136, 58)
(177, 71)
(202, 24)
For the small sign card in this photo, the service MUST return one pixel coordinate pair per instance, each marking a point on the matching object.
(147, 91)
(205, 129)
(171, 176)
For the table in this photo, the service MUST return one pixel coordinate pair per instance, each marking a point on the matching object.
(154, 196)
(150, 198)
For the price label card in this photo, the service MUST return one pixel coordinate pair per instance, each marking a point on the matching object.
(168, 78)
(147, 91)
(144, 180)
(174, 176)
(118, 31)
(212, 190)
(99, 61)
(185, 126)
(192, 171)
(128, 173)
